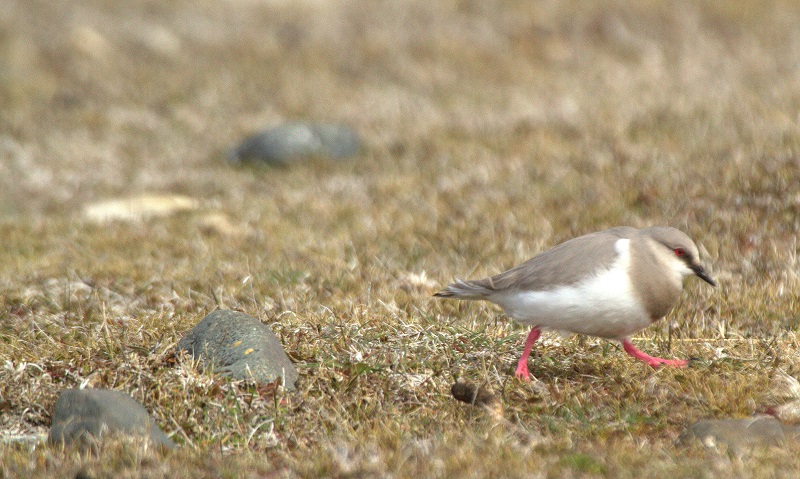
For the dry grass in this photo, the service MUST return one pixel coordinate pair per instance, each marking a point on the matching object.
(493, 130)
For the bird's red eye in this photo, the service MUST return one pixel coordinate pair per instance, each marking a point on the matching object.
(679, 252)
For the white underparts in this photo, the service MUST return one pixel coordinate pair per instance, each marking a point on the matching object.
(602, 305)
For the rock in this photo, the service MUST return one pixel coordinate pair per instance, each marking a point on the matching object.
(472, 394)
(84, 416)
(293, 142)
(484, 397)
(240, 346)
(741, 434)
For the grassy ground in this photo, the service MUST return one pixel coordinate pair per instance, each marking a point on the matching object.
(492, 131)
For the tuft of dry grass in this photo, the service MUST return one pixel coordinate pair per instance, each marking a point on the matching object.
(492, 131)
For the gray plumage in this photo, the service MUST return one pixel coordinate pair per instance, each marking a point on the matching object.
(652, 252)
(559, 266)
(608, 284)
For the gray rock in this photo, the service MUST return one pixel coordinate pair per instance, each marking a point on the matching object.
(240, 346)
(292, 142)
(741, 434)
(85, 416)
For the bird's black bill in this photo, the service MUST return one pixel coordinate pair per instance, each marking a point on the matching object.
(701, 273)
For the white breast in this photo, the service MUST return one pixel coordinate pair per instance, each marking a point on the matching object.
(601, 305)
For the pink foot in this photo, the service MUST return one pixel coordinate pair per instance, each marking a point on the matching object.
(650, 360)
(522, 370)
(522, 364)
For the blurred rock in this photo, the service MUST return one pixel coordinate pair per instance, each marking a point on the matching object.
(84, 416)
(485, 398)
(293, 142)
(237, 345)
(739, 435)
(138, 208)
(475, 395)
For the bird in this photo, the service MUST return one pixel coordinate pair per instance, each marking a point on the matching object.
(608, 284)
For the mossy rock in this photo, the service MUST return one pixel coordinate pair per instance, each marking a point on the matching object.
(238, 345)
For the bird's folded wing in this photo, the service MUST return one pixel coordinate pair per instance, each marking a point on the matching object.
(565, 264)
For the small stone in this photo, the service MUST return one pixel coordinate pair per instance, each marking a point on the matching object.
(237, 345)
(472, 394)
(739, 434)
(84, 473)
(84, 416)
(293, 142)
(479, 396)
(484, 397)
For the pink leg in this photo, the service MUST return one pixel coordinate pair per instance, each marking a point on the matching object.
(522, 364)
(650, 360)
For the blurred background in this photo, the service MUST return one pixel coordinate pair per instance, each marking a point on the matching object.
(107, 98)
(487, 132)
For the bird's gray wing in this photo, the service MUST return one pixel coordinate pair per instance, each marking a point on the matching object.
(564, 264)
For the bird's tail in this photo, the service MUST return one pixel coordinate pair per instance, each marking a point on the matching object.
(465, 290)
